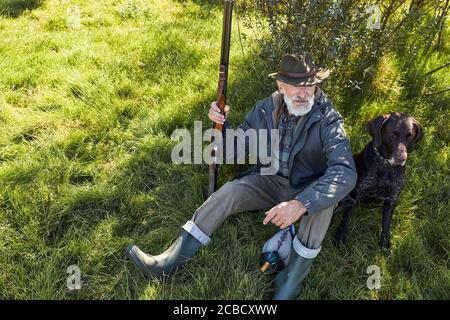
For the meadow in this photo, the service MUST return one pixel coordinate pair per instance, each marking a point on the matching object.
(86, 115)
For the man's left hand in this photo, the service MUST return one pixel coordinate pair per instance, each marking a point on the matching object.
(285, 213)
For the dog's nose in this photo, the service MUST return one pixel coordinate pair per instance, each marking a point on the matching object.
(400, 154)
(400, 157)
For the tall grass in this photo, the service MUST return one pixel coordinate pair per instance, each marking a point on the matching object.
(85, 122)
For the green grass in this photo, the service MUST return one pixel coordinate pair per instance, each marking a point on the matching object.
(85, 122)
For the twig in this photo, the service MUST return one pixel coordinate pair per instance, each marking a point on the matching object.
(435, 93)
(437, 69)
(239, 29)
(442, 18)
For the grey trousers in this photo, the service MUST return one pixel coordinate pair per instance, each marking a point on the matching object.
(256, 192)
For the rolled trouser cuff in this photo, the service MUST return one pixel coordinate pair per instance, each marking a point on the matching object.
(195, 231)
(304, 251)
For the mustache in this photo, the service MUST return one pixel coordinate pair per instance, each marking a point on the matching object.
(300, 99)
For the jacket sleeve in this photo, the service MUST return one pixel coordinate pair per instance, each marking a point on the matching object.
(340, 177)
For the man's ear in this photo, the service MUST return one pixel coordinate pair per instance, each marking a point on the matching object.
(280, 86)
(374, 128)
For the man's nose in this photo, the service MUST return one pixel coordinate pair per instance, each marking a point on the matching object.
(301, 93)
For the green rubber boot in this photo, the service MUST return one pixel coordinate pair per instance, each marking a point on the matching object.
(280, 278)
(165, 264)
(288, 282)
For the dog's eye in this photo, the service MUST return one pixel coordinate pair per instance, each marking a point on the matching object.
(395, 133)
(408, 135)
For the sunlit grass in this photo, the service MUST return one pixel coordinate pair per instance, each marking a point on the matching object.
(85, 122)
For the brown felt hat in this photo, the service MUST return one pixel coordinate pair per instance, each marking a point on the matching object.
(300, 70)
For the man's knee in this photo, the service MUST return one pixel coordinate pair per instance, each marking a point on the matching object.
(312, 229)
(222, 203)
(232, 191)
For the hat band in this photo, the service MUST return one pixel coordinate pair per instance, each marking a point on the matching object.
(298, 75)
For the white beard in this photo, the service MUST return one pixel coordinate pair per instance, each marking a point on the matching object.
(298, 111)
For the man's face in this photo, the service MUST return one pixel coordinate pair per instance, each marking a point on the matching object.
(298, 99)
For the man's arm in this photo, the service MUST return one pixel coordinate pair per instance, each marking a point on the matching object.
(340, 177)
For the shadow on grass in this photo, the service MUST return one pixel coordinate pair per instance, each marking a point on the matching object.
(162, 196)
(155, 227)
(15, 8)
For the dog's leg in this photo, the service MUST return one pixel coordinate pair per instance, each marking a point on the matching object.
(388, 211)
(345, 203)
(341, 234)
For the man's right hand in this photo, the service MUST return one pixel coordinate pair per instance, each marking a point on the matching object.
(214, 113)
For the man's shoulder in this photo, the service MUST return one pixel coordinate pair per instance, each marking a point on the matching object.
(327, 108)
(265, 103)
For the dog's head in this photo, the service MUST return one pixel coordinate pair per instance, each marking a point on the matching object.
(395, 135)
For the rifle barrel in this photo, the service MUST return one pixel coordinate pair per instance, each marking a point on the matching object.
(226, 37)
(222, 86)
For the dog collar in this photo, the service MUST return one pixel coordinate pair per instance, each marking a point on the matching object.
(383, 159)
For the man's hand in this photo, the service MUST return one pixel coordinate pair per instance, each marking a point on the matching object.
(214, 113)
(285, 213)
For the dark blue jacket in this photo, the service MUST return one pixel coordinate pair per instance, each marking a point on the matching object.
(321, 165)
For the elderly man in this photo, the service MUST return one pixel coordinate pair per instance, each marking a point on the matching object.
(315, 171)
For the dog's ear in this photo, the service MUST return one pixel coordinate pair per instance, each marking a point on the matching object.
(374, 127)
(419, 131)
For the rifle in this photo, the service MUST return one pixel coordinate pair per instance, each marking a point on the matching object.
(222, 87)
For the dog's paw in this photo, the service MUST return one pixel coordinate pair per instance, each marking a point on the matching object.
(385, 246)
(338, 240)
(386, 251)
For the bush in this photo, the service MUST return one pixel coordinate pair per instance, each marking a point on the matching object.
(342, 35)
